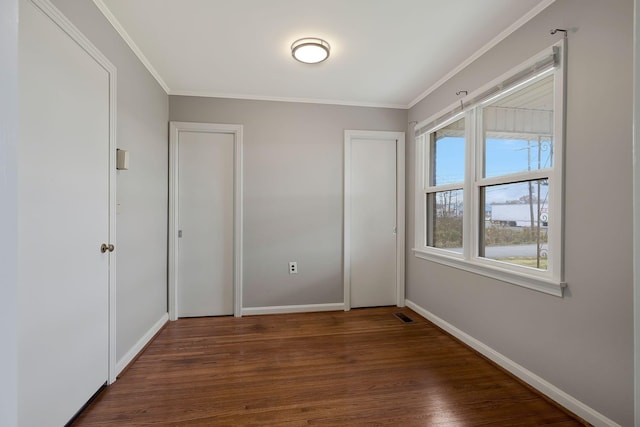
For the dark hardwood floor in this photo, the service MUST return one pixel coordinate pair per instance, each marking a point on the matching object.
(363, 367)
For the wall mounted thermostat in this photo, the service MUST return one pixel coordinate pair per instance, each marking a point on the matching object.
(122, 160)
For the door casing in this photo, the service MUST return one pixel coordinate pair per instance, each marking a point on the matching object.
(174, 140)
(399, 137)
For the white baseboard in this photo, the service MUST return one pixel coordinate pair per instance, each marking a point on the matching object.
(282, 309)
(543, 386)
(142, 342)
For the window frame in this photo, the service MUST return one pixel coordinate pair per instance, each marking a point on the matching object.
(551, 280)
(437, 188)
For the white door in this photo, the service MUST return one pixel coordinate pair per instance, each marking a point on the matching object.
(64, 209)
(371, 226)
(205, 223)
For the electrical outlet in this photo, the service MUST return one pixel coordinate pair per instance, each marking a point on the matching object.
(293, 267)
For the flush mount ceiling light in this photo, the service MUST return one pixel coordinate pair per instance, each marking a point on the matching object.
(310, 50)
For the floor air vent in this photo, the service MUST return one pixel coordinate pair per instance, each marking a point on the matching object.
(403, 317)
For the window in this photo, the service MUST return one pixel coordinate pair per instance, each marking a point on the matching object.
(489, 178)
(445, 181)
(517, 140)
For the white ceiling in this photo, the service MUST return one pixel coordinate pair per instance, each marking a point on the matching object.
(387, 53)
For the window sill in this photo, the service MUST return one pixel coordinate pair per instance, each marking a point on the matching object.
(529, 281)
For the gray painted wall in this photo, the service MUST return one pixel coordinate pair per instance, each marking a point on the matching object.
(142, 191)
(582, 343)
(293, 163)
(8, 211)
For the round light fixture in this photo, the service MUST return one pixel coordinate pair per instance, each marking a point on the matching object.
(310, 50)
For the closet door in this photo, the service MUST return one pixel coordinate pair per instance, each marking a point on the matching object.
(205, 211)
(373, 218)
(373, 222)
(64, 214)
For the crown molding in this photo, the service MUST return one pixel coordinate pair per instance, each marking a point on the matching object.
(134, 47)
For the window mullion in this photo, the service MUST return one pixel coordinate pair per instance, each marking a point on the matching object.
(478, 173)
(468, 192)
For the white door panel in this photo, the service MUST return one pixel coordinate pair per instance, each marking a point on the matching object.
(63, 211)
(373, 222)
(206, 219)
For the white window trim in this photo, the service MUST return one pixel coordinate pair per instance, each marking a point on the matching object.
(550, 281)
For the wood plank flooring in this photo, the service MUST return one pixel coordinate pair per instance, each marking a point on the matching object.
(363, 367)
